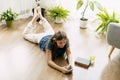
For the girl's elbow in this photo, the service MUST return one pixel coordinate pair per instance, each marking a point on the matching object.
(49, 62)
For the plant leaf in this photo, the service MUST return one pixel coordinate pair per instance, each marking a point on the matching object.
(79, 4)
(106, 13)
(113, 16)
(98, 5)
(101, 16)
(99, 27)
(91, 4)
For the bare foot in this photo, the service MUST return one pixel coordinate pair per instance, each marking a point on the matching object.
(37, 10)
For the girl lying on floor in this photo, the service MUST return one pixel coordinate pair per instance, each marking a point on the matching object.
(54, 44)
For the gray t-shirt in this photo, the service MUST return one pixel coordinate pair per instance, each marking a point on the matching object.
(58, 51)
(46, 43)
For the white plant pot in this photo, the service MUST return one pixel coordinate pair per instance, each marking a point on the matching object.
(58, 20)
(83, 23)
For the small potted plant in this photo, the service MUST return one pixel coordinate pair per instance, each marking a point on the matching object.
(106, 18)
(86, 4)
(9, 16)
(58, 14)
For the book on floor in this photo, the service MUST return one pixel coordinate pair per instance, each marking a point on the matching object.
(85, 63)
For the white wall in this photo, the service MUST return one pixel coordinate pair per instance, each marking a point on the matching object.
(24, 6)
(19, 6)
(111, 5)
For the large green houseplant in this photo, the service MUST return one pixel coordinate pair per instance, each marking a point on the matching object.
(85, 4)
(106, 18)
(58, 14)
(9, 16)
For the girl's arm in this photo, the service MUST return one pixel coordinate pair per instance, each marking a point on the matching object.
(69, 57)
(52, 64)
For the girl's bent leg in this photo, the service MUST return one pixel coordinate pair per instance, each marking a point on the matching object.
(27, 33)
(47, 27)
(35, 38)
(28, 29)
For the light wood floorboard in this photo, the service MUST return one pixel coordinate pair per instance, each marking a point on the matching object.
(23, 60)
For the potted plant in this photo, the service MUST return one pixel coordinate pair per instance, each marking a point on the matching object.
(58, 14)
(105, 19)
(86, 4)
(9, 16)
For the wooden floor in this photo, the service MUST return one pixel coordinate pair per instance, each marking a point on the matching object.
(22, 60)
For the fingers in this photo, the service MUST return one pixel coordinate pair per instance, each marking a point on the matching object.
(69, 67)
(69, 71)
(66, 70)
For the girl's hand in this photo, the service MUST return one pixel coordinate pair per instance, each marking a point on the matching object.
(69, 67)
(65, 70)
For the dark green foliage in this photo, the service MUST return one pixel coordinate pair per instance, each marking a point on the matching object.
(8, 15)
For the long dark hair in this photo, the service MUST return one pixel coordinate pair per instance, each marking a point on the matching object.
(56, 37)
